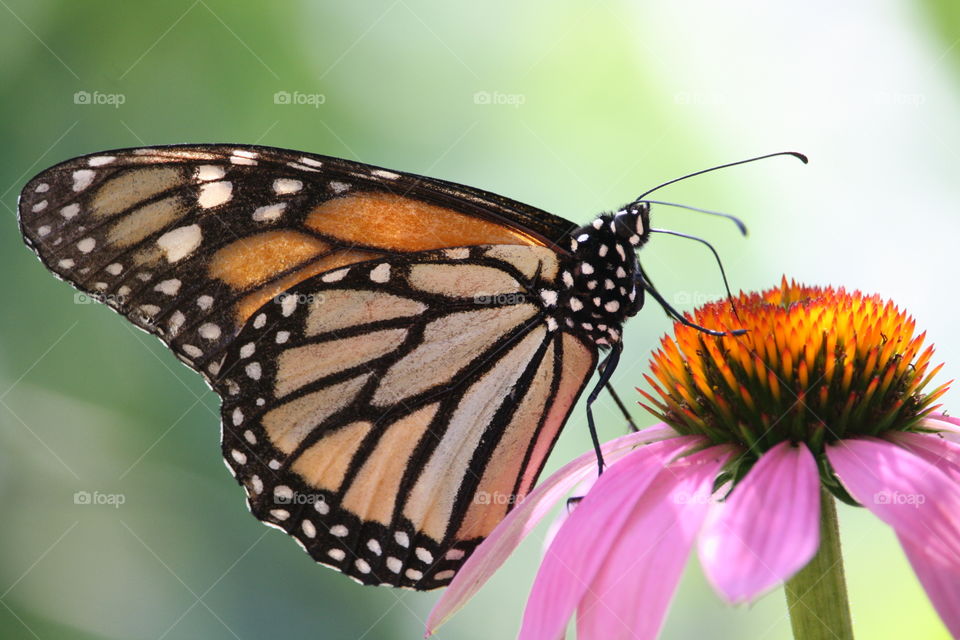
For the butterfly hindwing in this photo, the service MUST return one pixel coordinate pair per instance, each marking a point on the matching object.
(187, 241)
(389, 413)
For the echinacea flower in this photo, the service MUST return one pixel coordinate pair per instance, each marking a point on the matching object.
(824, 396)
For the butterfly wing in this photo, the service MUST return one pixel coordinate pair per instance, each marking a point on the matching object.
(388, 414)
(187, 241)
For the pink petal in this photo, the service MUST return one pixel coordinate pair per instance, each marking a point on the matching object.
(941, 582)
(943, 454)
(949, 426)
(944, 418)
(767, 529)
(581, 546)
(919, 501)
(630, 594)
(494, 551)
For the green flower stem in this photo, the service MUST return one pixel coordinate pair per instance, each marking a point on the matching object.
(817, 595)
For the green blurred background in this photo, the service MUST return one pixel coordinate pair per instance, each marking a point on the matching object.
(591, 103)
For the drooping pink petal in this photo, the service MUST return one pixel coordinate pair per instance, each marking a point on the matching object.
(767, 529)
(581, 545)
(494, 551)
(943, 454)
(947, 425)
(944, 418)
(940, 580)
(913, 496)
(630, 594)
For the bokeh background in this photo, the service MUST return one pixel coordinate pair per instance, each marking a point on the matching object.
(575, 107)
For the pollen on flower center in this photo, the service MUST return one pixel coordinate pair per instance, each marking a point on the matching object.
(816, 365)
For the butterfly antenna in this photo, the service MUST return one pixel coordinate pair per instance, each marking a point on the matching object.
(676, 315)
(737, 221)
(723, 274)
(799, 156)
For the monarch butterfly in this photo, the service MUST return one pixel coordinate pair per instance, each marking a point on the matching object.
(396, 355)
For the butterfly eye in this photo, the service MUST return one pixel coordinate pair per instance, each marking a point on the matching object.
(632, 220)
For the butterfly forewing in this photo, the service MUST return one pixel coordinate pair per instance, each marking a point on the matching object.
(391, 350)
(389, 413)
(187, 241)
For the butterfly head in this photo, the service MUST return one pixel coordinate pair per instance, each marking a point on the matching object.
(632, 223)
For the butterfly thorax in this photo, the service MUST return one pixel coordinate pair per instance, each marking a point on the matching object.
(600, 279)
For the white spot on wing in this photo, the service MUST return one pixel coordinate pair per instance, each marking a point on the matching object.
(213, 194)
(287, 305)
(86, 245)
(169, 287)
(338, 187)
(82, 179)
(334, 276)
(99, 161)
(382, 173)
(270, 212)
(40, 206)
(284, 186)
(178, 243)
(206, 172)
(70, 210)
(381, 273)
(209, 331)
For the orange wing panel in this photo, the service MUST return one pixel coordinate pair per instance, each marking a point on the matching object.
(395, 223)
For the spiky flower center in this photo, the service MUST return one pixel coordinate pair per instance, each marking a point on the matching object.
(816, 365)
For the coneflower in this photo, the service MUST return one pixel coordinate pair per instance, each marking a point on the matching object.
(825, 397)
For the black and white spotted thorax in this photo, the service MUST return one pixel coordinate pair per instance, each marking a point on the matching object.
(599, 288)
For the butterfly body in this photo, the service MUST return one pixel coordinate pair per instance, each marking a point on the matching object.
(396, 355)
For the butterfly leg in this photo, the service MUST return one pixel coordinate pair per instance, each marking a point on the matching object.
(607, 367)
(623, 409)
